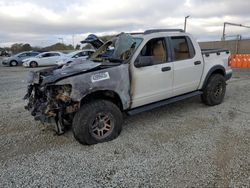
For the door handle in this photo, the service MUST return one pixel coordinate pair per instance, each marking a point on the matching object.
(197, 62)
(164, 69)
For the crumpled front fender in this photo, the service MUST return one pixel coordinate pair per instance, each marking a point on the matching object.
(112, 79)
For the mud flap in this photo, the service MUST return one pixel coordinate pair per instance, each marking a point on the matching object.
(54, 121)
(59, 125)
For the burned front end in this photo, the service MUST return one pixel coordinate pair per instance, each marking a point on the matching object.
(55, 94)
(50, 103)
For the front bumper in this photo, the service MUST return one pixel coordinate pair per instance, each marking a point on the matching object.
(229, 75)
(5, 63)
(25, 64)
(50, 104)
(60, 63)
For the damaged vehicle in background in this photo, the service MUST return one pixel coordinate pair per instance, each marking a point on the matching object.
(145, 71)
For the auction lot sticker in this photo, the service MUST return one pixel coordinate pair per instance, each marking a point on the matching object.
(100, 76)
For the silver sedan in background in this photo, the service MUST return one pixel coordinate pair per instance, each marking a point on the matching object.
(80, 54)
(44, 59)
(17, 59)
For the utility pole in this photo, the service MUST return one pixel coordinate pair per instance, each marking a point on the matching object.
(233, 24)
(185, 23)
(73, 40)
(61, 39)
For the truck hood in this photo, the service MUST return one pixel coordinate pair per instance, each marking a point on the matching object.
(76, 67)
(56, 73)
(93, 40)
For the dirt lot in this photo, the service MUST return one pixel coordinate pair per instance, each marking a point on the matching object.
(184, 144)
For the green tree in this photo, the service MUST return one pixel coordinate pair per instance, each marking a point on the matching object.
(20, 47)
(16, 48)
(78, 46)
(87, 46)
(26, 47)
(106, 38)
(58, 47)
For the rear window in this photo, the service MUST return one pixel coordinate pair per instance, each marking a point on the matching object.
(33, 54)
(182, 48)
(23, 55)
(80, 54)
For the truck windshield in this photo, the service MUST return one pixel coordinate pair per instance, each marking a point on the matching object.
(137, 42)
(118, 49)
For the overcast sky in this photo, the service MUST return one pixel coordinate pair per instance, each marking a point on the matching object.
(42, 22)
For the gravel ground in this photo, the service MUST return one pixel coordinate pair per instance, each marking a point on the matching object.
(186, 144)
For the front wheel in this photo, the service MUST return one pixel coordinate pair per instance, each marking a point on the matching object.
(33, 64)
(13, 63)
(96, 122)
(214, 91)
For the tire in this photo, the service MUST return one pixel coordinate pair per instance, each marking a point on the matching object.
(96, 122)
(13, 63)
(33, 64)
(214, 91)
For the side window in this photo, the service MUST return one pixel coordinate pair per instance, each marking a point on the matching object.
(83, 54)
(34, 54)
(54, 54)
(80, 54)
(30, 54)
(155, 48)
(23, 55)
(46, 55)
(76, 55)
(90, 53)
(181, 47)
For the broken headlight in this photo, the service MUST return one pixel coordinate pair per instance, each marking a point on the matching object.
(59, 100)
(59, 92)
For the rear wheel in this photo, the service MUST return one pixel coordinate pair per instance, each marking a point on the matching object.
(33, 64)
(214, 92)
(96, 122)
(13, 63)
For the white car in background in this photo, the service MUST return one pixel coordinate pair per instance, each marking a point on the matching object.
(44, 59)
(80, 54)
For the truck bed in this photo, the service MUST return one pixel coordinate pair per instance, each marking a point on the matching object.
(215, 50)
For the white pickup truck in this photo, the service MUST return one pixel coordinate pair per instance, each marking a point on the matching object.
(146, 70)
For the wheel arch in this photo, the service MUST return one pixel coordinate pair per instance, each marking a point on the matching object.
(33, 61)
(13, 60)
(218, 69)
(105, 95)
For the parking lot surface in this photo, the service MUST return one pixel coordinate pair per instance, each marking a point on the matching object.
(183, 144)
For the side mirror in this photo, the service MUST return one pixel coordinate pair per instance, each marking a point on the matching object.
(143, 61)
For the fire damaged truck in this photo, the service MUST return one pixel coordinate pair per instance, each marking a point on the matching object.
(145, 71)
